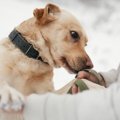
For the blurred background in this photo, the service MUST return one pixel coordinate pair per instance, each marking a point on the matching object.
(99, 18)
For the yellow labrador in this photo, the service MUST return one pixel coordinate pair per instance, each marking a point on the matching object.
(51, 38)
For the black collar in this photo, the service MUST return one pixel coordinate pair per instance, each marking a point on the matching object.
(24, 46)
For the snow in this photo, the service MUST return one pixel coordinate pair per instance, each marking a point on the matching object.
(99, 18)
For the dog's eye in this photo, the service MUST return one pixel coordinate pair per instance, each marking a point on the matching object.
(74, 35)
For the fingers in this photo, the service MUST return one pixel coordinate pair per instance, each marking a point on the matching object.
(83, 74)
(88, 76)
(75, 89)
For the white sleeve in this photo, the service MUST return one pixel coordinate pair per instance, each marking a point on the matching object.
(111, 76)
(88, 105)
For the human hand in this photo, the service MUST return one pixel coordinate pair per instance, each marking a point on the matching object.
(96, 78)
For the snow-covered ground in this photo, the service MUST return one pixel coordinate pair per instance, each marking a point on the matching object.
(100, 19)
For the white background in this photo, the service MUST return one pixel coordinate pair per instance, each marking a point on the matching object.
(99, 18)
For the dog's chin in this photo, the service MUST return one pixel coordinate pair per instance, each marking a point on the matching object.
(68, 67)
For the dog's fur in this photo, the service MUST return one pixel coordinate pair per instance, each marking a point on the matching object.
(49, 32)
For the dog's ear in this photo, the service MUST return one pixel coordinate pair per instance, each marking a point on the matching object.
(47, 14)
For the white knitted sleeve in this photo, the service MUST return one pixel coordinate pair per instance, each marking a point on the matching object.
(111, 76)
(88, 105)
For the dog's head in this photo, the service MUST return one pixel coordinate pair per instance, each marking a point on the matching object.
(64, 38)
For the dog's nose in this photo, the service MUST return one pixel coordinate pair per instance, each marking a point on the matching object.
(89, 63)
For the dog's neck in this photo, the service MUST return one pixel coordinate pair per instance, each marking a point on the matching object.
(31, 32)
(24, 45)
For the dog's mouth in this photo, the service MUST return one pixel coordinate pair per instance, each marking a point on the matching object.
(67, 66)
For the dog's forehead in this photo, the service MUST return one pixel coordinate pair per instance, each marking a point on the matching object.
(69, 20)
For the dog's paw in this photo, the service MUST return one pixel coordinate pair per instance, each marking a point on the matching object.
(11, 99)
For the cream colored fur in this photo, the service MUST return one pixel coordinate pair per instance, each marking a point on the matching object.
(49, 32)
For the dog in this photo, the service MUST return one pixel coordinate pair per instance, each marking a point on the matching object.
(51, 38)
